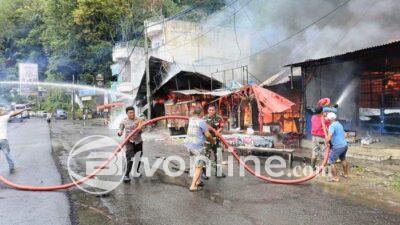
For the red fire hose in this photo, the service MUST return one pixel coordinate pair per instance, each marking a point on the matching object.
(119, 148)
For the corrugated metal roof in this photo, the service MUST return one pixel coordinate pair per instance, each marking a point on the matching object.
(278, 78)
(347, 55)
(218, 93)
(281, 77)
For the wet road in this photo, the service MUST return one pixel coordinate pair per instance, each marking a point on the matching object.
(235, 200)
(31, 150)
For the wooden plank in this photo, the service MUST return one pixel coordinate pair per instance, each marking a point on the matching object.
(288, 150)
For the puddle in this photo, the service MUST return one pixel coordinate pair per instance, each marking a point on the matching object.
(184, 181)
(161, 177)
(213, 196)
(374, 198)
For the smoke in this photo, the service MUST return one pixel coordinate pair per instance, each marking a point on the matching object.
(356, 25)
(285, 31)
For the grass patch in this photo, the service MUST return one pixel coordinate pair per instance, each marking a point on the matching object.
(396, 184)
(357, 169)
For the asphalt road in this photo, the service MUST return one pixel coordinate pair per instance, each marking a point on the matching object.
(31, 149)
(234, 200)
(162, 199)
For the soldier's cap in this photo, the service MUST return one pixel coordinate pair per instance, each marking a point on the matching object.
(197, 110)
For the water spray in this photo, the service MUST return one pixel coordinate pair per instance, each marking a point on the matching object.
(348, 90)
(128, 97)
(67, 85)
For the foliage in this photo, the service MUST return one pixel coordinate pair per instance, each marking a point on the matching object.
(75, 37)
(56, 99)
(396, 184)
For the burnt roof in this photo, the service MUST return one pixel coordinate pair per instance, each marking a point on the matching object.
(374, 50)
(162, 80)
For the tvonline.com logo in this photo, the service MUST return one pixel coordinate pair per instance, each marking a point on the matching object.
(90, 154)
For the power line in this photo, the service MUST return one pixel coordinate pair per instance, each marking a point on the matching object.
(208, 31)
(252, 75)
(130, 54)
(279, 42)
(154, 24)
(236, 37)
(297, 51)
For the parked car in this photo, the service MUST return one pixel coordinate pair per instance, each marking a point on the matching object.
(41, 114)
(32, 113)
(25, 114)
(61, 114)
(17, 118)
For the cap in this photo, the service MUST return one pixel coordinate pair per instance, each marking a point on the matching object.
(329, 109)
(331, 116)
(197, 110)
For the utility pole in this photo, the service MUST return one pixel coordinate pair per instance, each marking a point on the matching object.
(73, 97)
(37, 99)
(146, 52)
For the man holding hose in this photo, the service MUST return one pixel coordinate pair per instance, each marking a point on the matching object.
(194, 142)
(337, 138)
(135, 143)
(319, 126)
(4, 146)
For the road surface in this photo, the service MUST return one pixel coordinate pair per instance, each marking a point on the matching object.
(161, 199)
(31, 150)
(234, 200)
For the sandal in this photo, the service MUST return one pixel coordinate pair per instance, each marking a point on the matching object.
(196, 189)
(200, 184)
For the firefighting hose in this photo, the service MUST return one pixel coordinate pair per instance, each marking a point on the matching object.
(123, 143)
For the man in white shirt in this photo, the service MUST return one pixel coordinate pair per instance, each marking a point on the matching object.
(4, 146)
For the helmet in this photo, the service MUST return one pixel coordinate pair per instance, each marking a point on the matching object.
(324, 102)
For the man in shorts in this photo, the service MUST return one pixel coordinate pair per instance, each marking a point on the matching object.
(319, 126)
(194, 142)
(337, 138)
(135, 143)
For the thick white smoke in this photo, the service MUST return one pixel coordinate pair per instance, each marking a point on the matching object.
(274, 26)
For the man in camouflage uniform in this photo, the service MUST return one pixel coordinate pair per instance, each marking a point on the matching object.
(216, 122)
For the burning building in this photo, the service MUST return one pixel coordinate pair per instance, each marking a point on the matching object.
(364, 83)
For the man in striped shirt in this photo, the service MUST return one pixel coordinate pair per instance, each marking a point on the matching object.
(135, 143)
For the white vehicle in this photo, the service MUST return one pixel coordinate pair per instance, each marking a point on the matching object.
(24, 114)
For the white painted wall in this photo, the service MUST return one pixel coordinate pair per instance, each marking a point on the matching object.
(190, 46)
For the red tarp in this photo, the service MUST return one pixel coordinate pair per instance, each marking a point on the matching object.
(111, 105)
(269, 102)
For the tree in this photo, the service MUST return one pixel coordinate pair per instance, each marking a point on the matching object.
(20, 28)
(75, 37)
(62, 40)
(56, 99)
